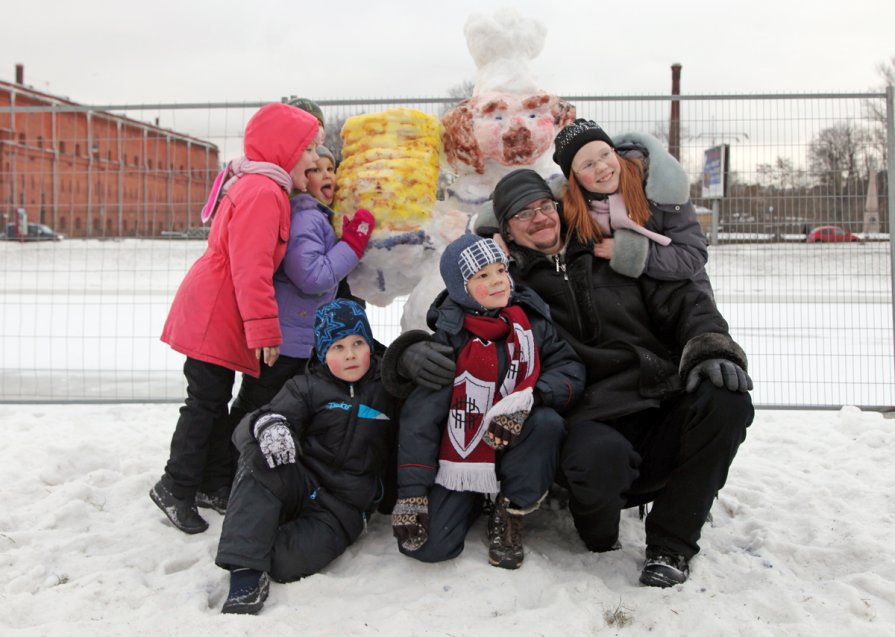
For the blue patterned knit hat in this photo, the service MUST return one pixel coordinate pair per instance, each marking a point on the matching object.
(462, 259)
(336, 320)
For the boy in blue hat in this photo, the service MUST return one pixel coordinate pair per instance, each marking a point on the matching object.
(312, 463)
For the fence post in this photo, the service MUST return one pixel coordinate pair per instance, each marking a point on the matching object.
(890, 179)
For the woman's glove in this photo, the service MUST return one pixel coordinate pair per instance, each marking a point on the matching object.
(275, 438)
(428, 364)
(356, 232)
(410, 522)
(722, 373)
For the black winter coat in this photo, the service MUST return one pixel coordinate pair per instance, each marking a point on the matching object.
(638, 338)
(425, 412)
(346, 432)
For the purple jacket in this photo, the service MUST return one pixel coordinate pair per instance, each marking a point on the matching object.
(309, 276)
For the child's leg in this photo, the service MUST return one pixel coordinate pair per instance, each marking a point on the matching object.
(250, 525)
(451, 513)
(209, 389)
(528, 468)
(305, 545)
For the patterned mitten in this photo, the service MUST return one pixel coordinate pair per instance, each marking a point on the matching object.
(410, 522)
(275, 439)
(505, 419)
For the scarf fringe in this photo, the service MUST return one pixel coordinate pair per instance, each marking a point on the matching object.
(467, 476)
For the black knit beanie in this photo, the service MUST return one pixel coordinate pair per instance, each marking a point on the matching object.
(515, 191)
(571, 138)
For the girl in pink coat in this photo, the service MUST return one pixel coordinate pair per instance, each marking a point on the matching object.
(224, 317)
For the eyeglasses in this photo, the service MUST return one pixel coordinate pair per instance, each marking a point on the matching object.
(527, 214)
(590, 164)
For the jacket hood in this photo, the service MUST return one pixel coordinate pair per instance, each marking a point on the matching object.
(279, 134)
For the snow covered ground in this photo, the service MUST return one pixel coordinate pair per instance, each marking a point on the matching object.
(800, 544)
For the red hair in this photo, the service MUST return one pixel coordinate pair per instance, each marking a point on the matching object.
(630, 187)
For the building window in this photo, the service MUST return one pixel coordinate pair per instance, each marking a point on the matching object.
(40, 141)
(62, 147)
(22, 139)
(77, 150)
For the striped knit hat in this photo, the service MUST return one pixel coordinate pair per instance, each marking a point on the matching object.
(462, 259)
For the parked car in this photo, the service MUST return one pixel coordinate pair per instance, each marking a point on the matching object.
(36, 232)
(832, 234)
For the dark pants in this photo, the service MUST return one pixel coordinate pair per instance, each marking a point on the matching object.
(200, 447)
(254, 393)
(676, 456)
(288, 535)
(526, 470)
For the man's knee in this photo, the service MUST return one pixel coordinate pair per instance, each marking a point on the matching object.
(599, 465)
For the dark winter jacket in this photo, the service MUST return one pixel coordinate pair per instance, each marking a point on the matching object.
(638, 338)
(345, 432)
(425, 412)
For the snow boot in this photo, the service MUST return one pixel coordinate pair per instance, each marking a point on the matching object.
(215, 500)
(181, 511)
(663, 568)
(505, 535)
(248, 590)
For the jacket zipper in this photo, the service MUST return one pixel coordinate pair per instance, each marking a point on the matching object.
(561, 268)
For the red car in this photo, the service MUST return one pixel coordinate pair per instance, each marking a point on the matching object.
(832, 234)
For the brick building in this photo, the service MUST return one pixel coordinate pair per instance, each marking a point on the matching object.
(94, 174)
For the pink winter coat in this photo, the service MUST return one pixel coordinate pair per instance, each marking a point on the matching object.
(225, 307)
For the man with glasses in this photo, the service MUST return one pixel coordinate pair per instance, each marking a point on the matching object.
(647, 428)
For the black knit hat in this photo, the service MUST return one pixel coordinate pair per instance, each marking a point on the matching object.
(571, 138)
(336, 320)
(515, 191)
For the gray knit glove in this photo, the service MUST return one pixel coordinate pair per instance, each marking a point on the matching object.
(428, 364)
(722, 373)
(275, 438)
(410, 522)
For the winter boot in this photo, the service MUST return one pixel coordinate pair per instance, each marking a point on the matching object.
(664, 568)
(181, 511)
(248, 590)
(505, 535)
(216, 500)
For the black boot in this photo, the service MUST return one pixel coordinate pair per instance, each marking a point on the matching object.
(181, 511)
(248, 590)
(663, 568)
(216, 500)
(504, 536)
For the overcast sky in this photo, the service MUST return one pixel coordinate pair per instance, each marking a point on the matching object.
(97, 52)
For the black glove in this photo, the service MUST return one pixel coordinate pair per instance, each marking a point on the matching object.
(410, 522)
(428, 364)
(722, 373)
(275, 438)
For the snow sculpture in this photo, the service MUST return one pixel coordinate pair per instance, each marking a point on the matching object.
(507, 123)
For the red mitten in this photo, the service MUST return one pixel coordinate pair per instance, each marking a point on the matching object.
(356, 232)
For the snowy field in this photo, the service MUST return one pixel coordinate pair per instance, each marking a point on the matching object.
(81, 319)
(800, 545)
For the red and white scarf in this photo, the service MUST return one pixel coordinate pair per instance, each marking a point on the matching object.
(465, 461)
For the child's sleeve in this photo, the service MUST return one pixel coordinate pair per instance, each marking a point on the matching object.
(255, 231)
(419, 439)
(687, 253)
(309, 265)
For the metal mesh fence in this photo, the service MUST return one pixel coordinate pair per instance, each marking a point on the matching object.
(81, 317)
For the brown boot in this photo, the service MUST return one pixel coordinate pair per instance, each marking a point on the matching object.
(504, 536)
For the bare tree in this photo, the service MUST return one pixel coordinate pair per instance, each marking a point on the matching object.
(876, 109)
